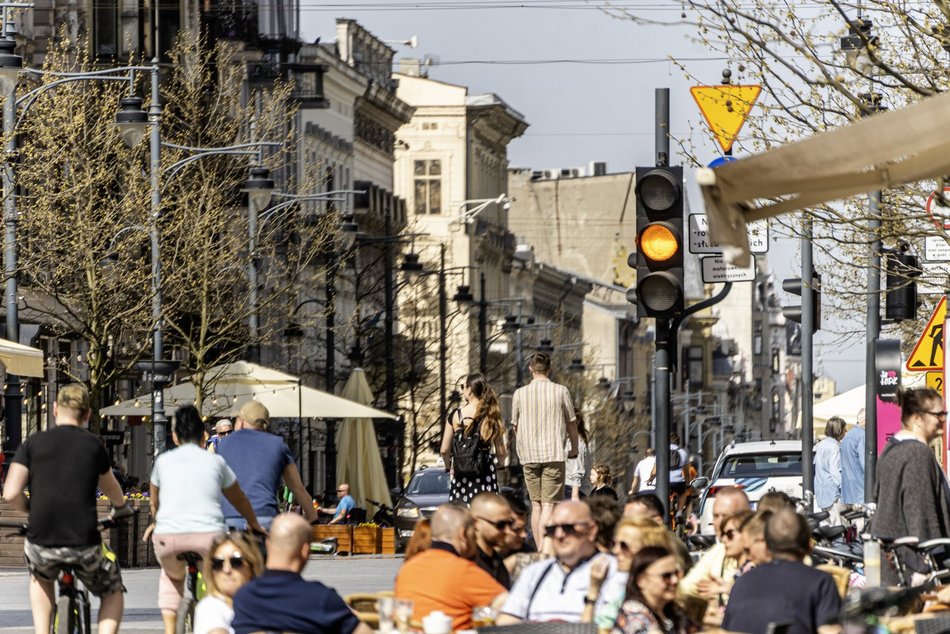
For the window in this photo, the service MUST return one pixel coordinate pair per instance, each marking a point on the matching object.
(105, 29)
(762, 466)
(428, 186)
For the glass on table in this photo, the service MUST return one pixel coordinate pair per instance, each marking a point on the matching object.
(404, 608)
(483, 616)
(386, 608)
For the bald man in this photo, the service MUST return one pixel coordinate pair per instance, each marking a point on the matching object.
(493, 523)
(559, 589)
(714, 567)
(281, 600)
(444, 577)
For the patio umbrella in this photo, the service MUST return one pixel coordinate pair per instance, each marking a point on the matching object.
(21, 360)
(233, 384)
(358, 462)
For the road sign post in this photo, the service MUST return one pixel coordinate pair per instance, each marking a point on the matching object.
(928, 353)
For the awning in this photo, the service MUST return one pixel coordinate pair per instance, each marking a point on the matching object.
(21, 360)
(881, 151)
(233, 384)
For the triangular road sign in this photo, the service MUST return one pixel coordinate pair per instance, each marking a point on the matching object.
(928, 353)
(725, 108)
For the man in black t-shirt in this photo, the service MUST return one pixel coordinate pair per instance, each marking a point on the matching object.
(784, 591)
(62, 467)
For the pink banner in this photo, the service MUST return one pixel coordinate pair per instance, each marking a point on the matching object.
(888, 422)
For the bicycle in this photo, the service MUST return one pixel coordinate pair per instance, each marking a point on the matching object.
(185, 617)
(384, 516)
(72, 612)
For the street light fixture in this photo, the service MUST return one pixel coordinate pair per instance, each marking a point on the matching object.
(10, 65)
(131, 120)
(259, 187)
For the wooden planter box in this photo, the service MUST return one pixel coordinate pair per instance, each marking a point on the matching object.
(366, 540)
(343, 534)
(387, 541)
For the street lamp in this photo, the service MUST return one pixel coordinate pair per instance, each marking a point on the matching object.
(131, 122)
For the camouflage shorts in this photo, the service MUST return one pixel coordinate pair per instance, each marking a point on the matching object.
(99, 573)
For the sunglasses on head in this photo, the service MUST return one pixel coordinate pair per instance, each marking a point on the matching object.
(235, 560)
(569, 529)
(499, 524)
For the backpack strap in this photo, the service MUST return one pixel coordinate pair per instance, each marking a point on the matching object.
(537, 587)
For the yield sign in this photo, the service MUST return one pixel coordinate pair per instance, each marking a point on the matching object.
(928, 353)
(725, 108)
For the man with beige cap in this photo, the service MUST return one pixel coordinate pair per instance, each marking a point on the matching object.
(261, 460)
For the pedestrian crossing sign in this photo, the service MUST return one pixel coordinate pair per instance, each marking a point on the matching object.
(928, 353)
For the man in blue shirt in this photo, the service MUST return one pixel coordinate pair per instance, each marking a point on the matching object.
(261, 460)
(280, 600)
(344, 506)
(852, 463)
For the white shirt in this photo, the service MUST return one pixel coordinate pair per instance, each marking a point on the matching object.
(189, 481)
(644, 469)
(213, 613)
(545, 592)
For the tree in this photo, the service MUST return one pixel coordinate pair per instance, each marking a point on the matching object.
(821, 66)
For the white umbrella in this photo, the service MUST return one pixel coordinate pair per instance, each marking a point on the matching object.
(21, 360)
(233, 384)
(358, 461)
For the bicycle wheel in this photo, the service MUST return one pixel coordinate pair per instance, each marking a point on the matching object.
(64, 619)
(185, 621)
(83, 613)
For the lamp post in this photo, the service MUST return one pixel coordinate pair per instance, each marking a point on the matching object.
(132, 122)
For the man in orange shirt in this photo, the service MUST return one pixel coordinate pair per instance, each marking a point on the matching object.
(443, 577)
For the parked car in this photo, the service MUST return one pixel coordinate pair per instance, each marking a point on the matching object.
(427, 489)
(756, 468)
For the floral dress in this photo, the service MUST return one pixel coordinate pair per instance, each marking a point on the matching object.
(636, 618)
(463, 489)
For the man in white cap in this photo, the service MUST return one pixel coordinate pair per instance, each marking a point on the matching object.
(221, 430)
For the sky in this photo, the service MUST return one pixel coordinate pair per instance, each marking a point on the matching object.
(583, 79)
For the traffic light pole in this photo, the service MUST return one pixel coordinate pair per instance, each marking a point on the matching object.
(661, 374)
(808, 334)
(872, 334)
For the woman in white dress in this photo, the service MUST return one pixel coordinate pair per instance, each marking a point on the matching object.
(233, 561)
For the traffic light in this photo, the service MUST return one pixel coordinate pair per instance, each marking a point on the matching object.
(659, 255)
(795, 287)
(900, 302)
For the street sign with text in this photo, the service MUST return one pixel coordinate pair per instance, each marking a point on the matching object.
(936, 249)
(716, 270)
(700, 242)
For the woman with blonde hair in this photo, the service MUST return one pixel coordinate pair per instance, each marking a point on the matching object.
(233, 561)
(474, 441)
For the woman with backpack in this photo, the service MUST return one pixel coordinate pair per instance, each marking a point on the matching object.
(473, 440)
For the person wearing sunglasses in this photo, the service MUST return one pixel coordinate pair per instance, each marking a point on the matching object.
(911, 490)
(630, 536)
(233, 561)
(650, 602)
(561, 589)
(186, 489)
(714, 588)
(222, 429)
(493, 524)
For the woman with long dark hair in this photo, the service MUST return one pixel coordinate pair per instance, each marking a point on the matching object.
(474, 441)
(650, 605)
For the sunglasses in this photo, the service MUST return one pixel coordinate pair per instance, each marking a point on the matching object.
(569, 529)
(224, 433)
(235, 560)
(500, 524)
(730, 534)
(670, 576)
(624, 546)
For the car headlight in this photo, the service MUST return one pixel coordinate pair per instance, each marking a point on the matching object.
(408, 511)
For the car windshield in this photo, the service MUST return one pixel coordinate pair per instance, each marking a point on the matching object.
(429, 483)
(762, 465)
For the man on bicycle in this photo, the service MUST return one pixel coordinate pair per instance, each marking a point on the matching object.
(261, 460)
(62, 467)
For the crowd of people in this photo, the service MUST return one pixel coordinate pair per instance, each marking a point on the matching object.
(571, 555)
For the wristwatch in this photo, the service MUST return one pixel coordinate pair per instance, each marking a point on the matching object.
(590, 600)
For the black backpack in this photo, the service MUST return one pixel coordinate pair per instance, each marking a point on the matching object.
(468, 451)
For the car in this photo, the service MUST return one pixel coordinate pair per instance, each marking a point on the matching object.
(427, 489)
(756, 468)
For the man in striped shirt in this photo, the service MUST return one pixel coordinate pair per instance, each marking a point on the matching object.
(543, 418)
